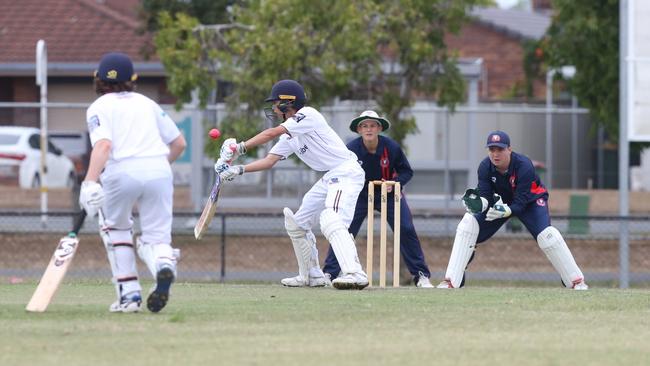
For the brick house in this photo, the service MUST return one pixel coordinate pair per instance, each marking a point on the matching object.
(497, 36)
(78, 32)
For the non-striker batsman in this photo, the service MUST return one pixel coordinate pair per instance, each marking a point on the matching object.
(134, 142)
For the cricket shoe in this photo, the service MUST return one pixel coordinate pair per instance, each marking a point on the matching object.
(130, 303)
(423, 281)
(446, 283)
(160, 295)
(351, 281)
(581, 286)
(298, 281)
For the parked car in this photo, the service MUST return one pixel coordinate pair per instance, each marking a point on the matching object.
(20, 160)
(76, 146)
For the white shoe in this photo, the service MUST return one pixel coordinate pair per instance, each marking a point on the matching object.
(581, 286)
(127, 304)
(445, 284)
(351, 281)
(298, 281)
(424, 282)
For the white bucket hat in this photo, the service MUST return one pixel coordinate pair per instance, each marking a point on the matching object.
(369, 115)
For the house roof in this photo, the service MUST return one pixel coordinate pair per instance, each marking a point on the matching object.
(77, 33)
(518, 23)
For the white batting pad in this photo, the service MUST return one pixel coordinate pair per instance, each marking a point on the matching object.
(302, 246)
(464, 245)
(553, 245)
(156, 256)
(341, 240)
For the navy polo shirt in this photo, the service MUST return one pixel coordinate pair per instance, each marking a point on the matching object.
(519, 186)
(388, 162)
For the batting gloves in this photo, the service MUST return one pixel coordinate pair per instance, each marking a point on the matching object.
(232, 172)
(230, 150)
(91, 197)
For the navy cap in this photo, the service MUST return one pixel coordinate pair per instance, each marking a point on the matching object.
(115, 67)
(498, 138)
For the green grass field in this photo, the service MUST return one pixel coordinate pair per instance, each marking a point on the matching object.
(264, 324)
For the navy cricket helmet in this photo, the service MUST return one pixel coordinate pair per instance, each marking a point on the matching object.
(290, 94)
(116, 67)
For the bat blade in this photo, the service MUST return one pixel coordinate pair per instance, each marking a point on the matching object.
(208, 211)
(54, 274)
(56, 269)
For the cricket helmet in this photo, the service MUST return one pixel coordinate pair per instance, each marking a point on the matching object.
(115, 67)
(290, 94)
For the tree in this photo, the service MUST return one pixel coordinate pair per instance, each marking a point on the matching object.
(205, 11)
(334, 48)
(584, 33)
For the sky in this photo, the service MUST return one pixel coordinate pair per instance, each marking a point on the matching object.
(506, 3)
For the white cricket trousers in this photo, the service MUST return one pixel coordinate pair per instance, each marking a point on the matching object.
(147, 182)
(338, 189)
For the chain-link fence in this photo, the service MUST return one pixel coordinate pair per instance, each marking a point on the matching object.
(255, 247)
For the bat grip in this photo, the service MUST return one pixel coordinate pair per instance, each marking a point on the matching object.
(79, 221)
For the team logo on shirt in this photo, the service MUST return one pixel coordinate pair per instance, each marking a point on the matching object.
(93, 122)
(494, 179)
(512, 181)
(299, 117)
(541, 202)
(303, 149)
(333, 180)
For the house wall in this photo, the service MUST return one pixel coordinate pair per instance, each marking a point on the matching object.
(60, 90)
(502, 59)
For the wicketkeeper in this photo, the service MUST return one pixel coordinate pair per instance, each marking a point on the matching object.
(508, 186)
(305, 132)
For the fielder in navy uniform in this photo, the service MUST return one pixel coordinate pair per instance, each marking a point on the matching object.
(508, 186)
(383, 159)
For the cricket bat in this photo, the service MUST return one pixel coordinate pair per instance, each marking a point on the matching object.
(208, 210)
(211, 206)
(56, 269)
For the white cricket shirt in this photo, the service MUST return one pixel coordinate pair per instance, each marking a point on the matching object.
(313, 140)
(136, 126)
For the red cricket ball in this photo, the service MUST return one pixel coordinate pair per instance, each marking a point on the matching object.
(214, 133)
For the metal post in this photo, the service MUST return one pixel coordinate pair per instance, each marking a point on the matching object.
(574, 143)
(626, 53)
(41, 79)
(548, 180)
(222, 277)
(196, 156)
(472, 158)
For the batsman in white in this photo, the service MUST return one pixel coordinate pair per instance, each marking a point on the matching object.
(134, 142)
(508, 186)
(332, 199)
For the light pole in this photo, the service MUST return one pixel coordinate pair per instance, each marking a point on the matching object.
(567, 72)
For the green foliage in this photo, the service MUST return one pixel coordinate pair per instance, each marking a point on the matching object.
(206, 11)
(584, 33)
(179, 50)
(333, 48)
